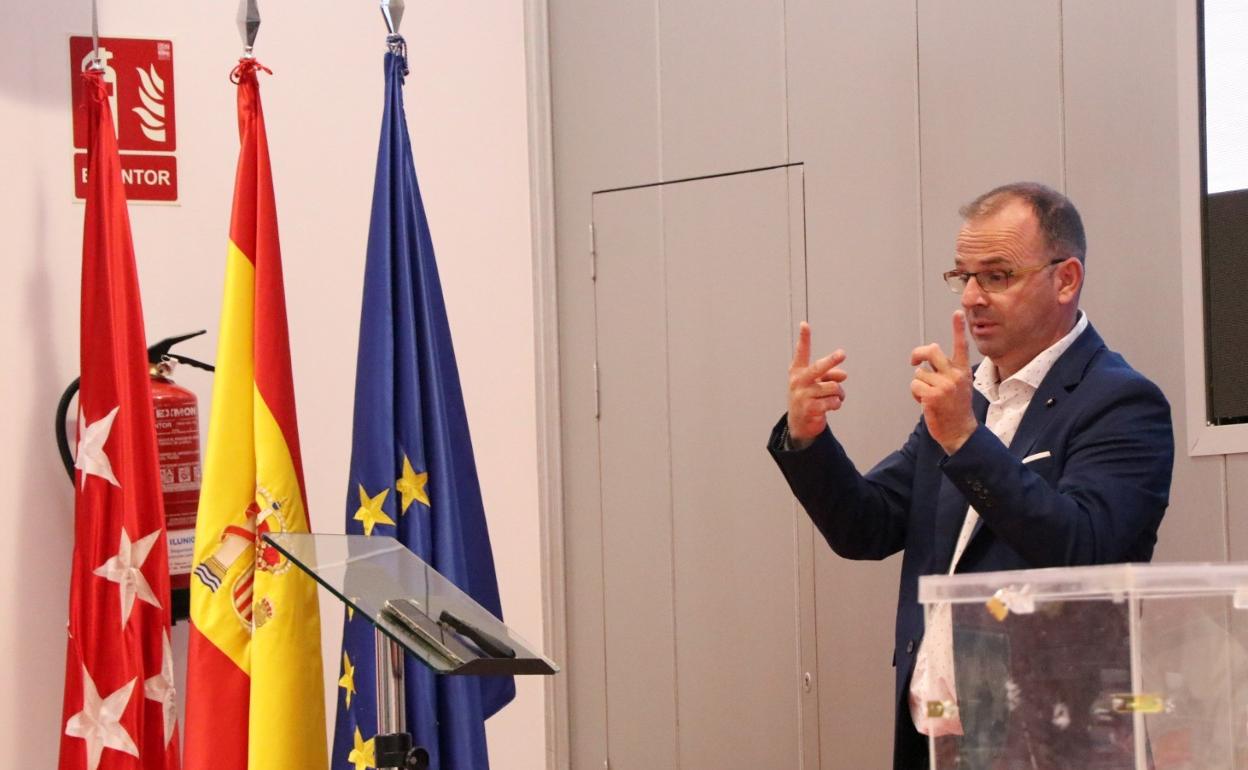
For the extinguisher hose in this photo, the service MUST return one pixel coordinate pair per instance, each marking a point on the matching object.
(162, 350)
(191, 362)
(155, 354)
(62, 439)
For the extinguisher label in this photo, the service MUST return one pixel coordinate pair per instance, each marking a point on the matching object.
(181, 556)
(177, 432)
(177, 440)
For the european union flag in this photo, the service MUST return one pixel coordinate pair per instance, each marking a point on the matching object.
(412, 472)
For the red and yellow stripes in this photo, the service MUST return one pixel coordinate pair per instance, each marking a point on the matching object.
(255, 692)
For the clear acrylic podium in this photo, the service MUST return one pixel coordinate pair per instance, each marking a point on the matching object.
(414, 610)
(1119, 667)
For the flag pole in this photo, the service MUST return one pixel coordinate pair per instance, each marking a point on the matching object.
(393, 745)
(392, 12)
(248, 25)
(96, 64)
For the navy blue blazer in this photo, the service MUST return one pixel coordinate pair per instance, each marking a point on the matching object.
(1097, 497)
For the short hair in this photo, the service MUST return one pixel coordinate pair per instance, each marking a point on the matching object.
(1056, 216)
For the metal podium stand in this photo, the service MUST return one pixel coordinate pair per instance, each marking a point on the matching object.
(414, 610)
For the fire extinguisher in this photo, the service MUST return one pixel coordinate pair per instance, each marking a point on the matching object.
(176, 412)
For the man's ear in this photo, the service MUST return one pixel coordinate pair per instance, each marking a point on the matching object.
(1069, 280)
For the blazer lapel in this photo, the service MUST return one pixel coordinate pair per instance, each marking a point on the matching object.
(1047, 401)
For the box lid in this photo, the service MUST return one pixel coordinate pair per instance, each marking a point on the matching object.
(1110, 581)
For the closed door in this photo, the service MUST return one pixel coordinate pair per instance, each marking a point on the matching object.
(707, 589)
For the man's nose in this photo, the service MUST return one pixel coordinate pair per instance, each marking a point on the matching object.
(973, 295)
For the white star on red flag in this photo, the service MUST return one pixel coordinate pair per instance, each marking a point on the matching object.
(99, 722)
(160, 689)
(126, 570)
(91, 439)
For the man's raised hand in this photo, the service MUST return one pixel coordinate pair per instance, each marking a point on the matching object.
(814, 389)
(944, 390)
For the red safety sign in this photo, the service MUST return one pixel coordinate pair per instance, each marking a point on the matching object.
(139, 74)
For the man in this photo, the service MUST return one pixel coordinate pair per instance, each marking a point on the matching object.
(1052, 452)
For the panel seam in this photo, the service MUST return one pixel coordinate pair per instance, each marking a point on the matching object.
(1061, 91)
(697, 178)
(602, 536)
(667, 346)
(1226, 507)
(671, 476)
(918, 183)
(784, 43)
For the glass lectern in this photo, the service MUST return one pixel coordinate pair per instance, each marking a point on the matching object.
(413, 609)
(1119, 667)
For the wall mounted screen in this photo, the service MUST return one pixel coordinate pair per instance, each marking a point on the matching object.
(1224, 139)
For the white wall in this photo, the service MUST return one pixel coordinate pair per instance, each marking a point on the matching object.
(466, 107)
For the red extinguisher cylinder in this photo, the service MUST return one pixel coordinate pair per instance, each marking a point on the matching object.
(177, 441)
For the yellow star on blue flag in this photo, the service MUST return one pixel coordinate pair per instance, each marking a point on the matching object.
(411, 485)
(347, 681)
(364, 754)
(369, 513)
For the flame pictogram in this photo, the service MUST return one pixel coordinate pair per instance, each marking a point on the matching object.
(152, 113)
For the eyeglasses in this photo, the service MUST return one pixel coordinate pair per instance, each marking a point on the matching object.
(990, 281)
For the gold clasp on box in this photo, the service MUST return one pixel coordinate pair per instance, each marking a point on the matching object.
(998, 609)
(1137, 703)
(937, 709)
(1016, 599)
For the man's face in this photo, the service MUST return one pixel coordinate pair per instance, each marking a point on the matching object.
(1012, 326)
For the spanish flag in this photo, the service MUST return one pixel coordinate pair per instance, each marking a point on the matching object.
(255, 692)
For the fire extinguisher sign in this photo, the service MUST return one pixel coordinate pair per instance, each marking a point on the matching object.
(139, 74)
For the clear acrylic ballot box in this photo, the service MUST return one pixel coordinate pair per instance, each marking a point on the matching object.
(1118, 667)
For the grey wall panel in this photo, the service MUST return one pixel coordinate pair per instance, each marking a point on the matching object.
(735, 534)
(1122, 171)
(605, 126)
(585, 664)
(1237, 505)
(853, 122)
(605, 92)
(722, 83)
(635, 466)
(990, 112)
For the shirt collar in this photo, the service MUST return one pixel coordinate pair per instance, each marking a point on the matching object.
(1036, 369)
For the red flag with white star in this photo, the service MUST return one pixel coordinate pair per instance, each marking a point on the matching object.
(119, 708)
